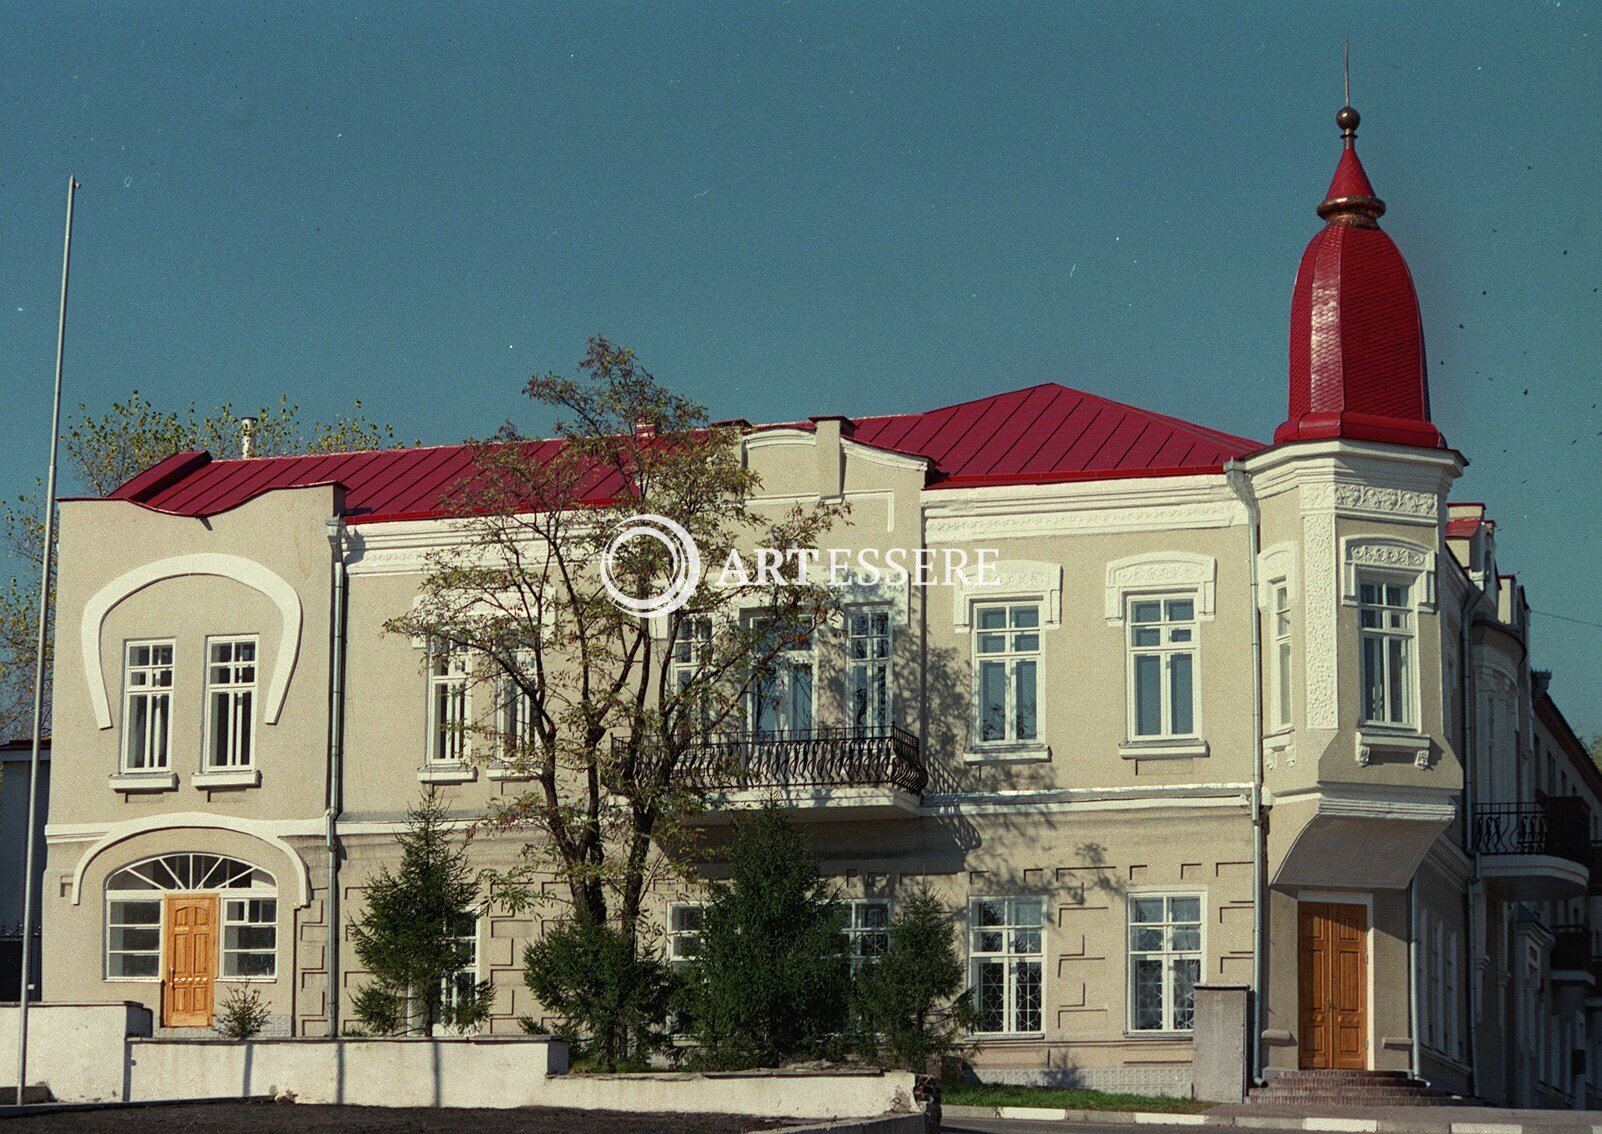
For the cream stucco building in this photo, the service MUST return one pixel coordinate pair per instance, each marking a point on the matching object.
(1230, 714)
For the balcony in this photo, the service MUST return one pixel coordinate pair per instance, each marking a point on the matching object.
(1535, 851)
(830, 773)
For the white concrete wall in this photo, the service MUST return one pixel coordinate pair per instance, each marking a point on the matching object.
(77, 1050)
(362, 1072)
(485, 1073)
(791, 1095)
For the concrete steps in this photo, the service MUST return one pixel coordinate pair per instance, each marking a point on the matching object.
(1303, 1089)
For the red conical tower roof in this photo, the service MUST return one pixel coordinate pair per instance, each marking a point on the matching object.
(1356, 339)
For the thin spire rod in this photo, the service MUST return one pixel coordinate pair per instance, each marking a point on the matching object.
(39, 669)
(1348, 61)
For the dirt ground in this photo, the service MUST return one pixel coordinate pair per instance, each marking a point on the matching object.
(270, 1118)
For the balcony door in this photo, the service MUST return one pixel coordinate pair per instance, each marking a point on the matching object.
(191, 950)
(1333, 985)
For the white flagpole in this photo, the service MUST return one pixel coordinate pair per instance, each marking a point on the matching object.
(39, 669)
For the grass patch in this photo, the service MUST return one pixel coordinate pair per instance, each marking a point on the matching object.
(1065, 1098)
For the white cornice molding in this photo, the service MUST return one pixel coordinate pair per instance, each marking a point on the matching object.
(235, 567)
(1030, 511)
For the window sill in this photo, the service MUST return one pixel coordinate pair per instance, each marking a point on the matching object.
(1180, 748)
(1374, 738)
(1153, 1033)
(143, 781)
(227, 778)
(1028, 752)
(448, 774)
(986, 1037)
(502, 773)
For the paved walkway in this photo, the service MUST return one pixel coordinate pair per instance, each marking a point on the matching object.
(1337, 1120)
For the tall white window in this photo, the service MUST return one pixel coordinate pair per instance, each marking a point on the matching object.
(779, 701)
(1281, 654)
(867, 931)
(1162, 666)
(1385, 618)
(514, 712)
(687, 663)
(1437, 998)
(868, 668)
(1005, 949)
(1007, 663)
(447, 703)
(147, 706)
(1165, 959)
(230, 702)
(133, 937)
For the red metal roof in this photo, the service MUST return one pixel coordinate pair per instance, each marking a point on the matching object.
(1050, 433)
(1039, 435)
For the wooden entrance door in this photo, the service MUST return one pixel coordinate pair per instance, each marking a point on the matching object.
(1333, 985)
(191, 960)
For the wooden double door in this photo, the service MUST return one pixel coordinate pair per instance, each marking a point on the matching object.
(188, 990)
(1333, 985)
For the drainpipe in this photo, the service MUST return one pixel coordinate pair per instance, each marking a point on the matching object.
(1470, 709)
(336, 741)
(1413, 1006)
(1239, 481)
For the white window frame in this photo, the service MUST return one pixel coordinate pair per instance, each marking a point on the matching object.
(1166, 650)
(1407, 634)
(1282, 670)
(153, 897)
(870, 666)
(449, 988)
(1015, 920)
(449, 674)
(226, 920)
(1169, 954)
(1009, 657)
(241, 699)
(784, 667)
(680, 936)
(688, 653)
(151, 695)
(857, 931)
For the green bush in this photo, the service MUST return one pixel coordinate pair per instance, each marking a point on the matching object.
(908, 1007)
(772, 977)
(612, 995)
(243, 1014)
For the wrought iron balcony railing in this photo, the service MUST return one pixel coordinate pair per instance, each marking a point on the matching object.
(1558, 826)
(806, 758)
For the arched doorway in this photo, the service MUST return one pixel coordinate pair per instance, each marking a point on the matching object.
(185, 920)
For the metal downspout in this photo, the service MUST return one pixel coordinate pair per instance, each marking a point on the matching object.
(1239, 481)
(336, 741)
(1469, 843)
(1413, 1007)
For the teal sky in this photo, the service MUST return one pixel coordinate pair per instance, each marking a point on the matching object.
(809, 208)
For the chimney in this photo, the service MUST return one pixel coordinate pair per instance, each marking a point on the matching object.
(247, 437)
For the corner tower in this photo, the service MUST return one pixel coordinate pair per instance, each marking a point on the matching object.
(1357, 367)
